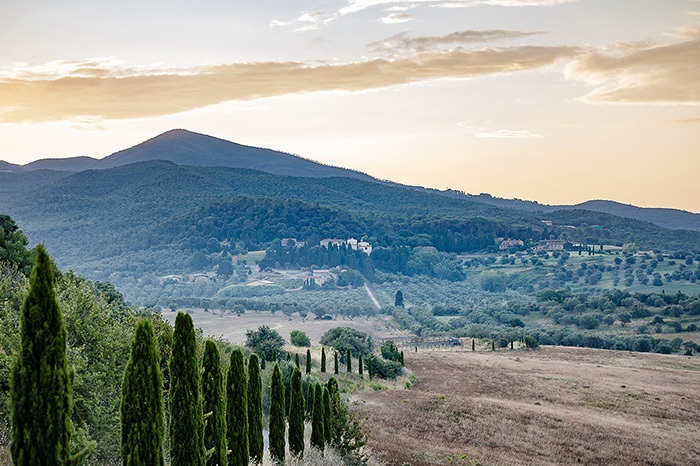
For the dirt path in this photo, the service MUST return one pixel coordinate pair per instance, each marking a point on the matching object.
(371, 296)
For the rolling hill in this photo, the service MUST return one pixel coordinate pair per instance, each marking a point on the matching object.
(184, 147)
(154, 207)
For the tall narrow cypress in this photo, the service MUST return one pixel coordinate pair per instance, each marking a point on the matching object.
(359, 365)
(237, 410)
(326, 415)
(317, 435)
(40, 382)
(277, 418)
(308, 361)
(296, 415)
(348, 356)
(401, 359)
(142, 416)
(335, 369)
(255, 415)
(310, 401)
(186, 418)
(323, 360)
(297, 362)
(336, 404)
(213, 398)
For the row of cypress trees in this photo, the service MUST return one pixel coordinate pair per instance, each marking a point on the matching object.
(232, 431)
(229, 433)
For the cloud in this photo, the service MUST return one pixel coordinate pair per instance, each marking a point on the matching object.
(309, 21)
(354, 6)
(132, 93)
(689, 121)
(482, 132)
(508, 134)
(643, 73)
(402, 41)
(396, 18)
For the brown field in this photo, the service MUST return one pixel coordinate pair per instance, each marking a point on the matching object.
(549, 407)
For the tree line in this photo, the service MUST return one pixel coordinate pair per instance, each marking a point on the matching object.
(213, 420)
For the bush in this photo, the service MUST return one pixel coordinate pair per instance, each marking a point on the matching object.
(643, 345)
(299, 338)
(383, 368)
(390, 352)
(663, 348)
(265, 342)
(343, 339)
(531, 342)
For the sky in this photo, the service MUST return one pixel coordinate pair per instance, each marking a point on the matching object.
(559, 101)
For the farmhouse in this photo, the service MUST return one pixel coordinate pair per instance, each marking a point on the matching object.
(292, 242)
(350, 243)
(328, 242)
(549, 245)
(510, 243)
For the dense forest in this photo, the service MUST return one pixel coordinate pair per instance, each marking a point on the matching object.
(158, 218)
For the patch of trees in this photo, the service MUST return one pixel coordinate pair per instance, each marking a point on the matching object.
(347, 340)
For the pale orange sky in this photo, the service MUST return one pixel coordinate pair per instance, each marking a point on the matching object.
(558, 101)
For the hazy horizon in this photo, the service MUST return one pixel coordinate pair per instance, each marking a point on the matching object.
(555, 101)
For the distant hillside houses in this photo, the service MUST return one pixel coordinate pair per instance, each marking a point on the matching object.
(292, 242)
(510, 243)
(351, 243)
(549, 245)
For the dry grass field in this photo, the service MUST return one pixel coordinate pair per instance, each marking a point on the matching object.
(233, 327)
(554, 406)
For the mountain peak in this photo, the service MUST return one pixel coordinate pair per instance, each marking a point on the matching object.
(185, 147)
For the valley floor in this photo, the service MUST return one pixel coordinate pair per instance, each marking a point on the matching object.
(549, 407)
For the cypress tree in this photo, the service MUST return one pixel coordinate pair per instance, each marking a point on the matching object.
(401, 359)
(370, 369)
(296, 361)
(335, 369)
(473, 345)
(326, 415)
(277, 421)
(186, 419)
(237, 410)
(317, 423)
(323, 360)
(310, 401)
(41, 382)
(142, 417)
(296, 415)
(348, 356)
(336, 420)
(262, 364)
(308, 361)
(213, 398)
(359, 365)
(255, 415)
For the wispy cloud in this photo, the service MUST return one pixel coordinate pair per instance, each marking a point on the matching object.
(508, 134)
(133, 93)
(309, 21)
(483, 131)
(354, 6)
(396, 18)
(662, 73)
(403, 42)
(689, 121)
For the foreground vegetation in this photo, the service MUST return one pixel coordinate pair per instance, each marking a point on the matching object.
(75, 340)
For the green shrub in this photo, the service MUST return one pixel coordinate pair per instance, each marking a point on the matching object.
(299, 338)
